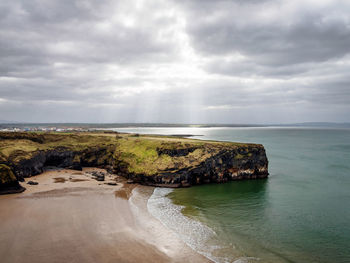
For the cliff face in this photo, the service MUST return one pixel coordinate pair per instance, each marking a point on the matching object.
(63, 158)
(226, 165)
(149, 160)
(8, 181)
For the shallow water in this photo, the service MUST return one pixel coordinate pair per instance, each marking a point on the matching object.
(301, 213)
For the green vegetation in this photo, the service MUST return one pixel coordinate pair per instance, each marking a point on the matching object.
(239, 156)
(141, 154)
(6, 175)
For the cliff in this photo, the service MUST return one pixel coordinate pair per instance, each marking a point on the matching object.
(8, 181)
(149, 160)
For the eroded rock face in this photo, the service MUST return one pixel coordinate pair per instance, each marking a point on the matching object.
(62, 158)
(35, 165)
(8, 181)
(228, 165)
(176, 152)
(172, 163)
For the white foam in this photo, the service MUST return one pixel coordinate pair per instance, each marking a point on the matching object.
(194, 233)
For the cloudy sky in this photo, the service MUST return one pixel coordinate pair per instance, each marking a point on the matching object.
(192, 61)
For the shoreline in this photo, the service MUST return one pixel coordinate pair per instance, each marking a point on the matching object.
(192, 232)
(82, 219)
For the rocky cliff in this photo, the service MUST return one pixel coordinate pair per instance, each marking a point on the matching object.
(8, 181)
(219, 166)
(149, 160)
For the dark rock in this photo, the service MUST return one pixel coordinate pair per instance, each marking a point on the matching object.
(111, 183)
(176, 152)
(77, 166)
(227, 165)
(62, 157)
(32, 183)
(99, 177)
(14, 189)
(185, 184)
(8, 181)
(109, 168)
(221, 165)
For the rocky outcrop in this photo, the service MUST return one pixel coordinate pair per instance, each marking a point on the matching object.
(62, 158)
(149, 161)
(176, 152)
(227, 165)
(8, 181)
(34, 165)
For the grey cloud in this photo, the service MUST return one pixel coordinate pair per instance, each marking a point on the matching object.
(301, 43)
(171, 61)
(249, 68)
(308, 39)
(41, 33)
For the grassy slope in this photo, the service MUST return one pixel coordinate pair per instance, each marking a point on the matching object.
(138, 152)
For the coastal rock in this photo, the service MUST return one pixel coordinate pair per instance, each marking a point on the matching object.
(76, 165)
(227, 165)
(32, 183)
(176, 152)
(61, 158)
(8, 181)
(111, 183)
(100, 177)
(173, 162)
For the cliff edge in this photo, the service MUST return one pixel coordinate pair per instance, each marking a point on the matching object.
(145, 159)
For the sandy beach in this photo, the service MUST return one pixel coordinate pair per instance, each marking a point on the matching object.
(70, 217)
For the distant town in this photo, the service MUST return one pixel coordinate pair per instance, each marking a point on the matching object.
(85, 127)
(45, 129)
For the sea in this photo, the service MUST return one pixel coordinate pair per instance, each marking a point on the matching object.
(301, 213)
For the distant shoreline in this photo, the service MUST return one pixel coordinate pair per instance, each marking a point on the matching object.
(4, 124)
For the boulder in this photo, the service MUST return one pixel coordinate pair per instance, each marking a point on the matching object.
(111, 183)
(100, 177)
(8, 181)
(32, 183)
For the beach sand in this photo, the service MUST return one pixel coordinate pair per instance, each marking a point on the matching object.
(70, 217)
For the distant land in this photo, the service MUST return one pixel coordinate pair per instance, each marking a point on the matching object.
(14, 124)
(7, 122)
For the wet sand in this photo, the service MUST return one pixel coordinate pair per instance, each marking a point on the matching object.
(78, 219)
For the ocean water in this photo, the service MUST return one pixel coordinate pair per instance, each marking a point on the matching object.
(301, 213)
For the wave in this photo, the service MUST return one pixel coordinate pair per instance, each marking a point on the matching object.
(195, 234)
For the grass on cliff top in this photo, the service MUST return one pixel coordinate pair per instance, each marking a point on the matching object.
(142, 156)
(74, 142)
(139, 152)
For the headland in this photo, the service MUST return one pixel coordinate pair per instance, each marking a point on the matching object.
(83, 196)
(145, 159)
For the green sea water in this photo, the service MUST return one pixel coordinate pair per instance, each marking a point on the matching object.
(301, 213)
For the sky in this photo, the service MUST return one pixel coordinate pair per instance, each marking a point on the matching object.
(170, 61)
